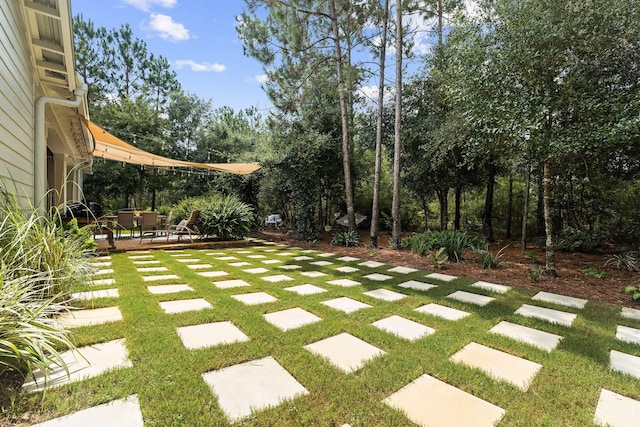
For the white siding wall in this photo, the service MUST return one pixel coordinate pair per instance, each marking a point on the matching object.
(16, 103)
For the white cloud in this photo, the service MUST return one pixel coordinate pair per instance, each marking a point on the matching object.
(147, 4)
(370, 94)
(198, 66)
(260, 78)
(167, 28)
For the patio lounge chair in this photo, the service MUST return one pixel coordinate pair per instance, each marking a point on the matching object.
(186, 227)
(125, 221)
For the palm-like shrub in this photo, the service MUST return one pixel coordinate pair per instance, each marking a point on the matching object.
(454, 242)
(345, 238)
(223, 217)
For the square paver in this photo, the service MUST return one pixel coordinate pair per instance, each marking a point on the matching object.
(84, 362)
(103, 282)
(559, 299)
(257, 270)
(306, 289)
(385, 294)
(199, 266)
(345, 283)
(168, 289)
(313, 274)
(625, 363)
(291, 318)
(491, 287)
(272, 261)
(499, 365)
(151, 269)
(252, 386)
(226, 284)
(534, 337)
(321, 263)
(188, 260)
(348, 259)
(147, 262)
(346, 352)
(179, 254)
(378, 277)
(284, 253)
(89, 295)
(372, 264)
(277, 278)
(226, 258)
(470, 298)
(430, 402)
(402, 270)
(441, 277)
(210, 334)
(94, 316)
(255, 298)
(302, 258)
(140, 256)
(403, 328)
(213, 273)
(103, 272)
(627, 334)
(414, 284)
(346, 304)
(290, 267)
(616, 410)
(102, 264)
(256, 256)
(123, 412)
(239, 264)
(630, 313)
(181, 306)
(548, 314)
(442, 311)
(160, 277)
(326, 254)
(346, 269)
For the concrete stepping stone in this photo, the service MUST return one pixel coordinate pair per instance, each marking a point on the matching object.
(548, 314)
(347, 269)
(402, 270)
(142, 251)
(122, 413)
(470, 298)
(344, 351)
(491, 287)
(160, 277)
(291, 319)
(345, 304)
(239, 264)
(403, 328)
(290, 267)
(625, 363)
(181, 306)
(497, 364)
(258, 256)
(414, 284)
(441, 277)
(151, 269)
(627, 334)
(326, 254)
(199, 266)
(258, 270)
(302, 258)
(227, 258)
(371, 264)
(226, 284)
(102, 282)
(270, 250)
(88, 317)
(140, 256)
(147, 262)
(84, 362)
(385, 294)
(252, 386)
(272, 261)
(180, 254)
(348, 259)
(89, 295)
(210, 335)
(102, 258)
(442, 311)
(430, 402)
(630, 313)
(188, 260)
(378, 277)
(305, 289)
(255, 298)
(345, 283)
(534, 337)
(616, 410)
(321, 263)
(285, 253)
(559, 299)
(313, 274)
(213, 273)
(243, 252)
(101, 264)
(309, 251)
(103, 272)
(277, 278)
(168, 289)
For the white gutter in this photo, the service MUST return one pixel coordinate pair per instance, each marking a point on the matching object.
(40, 145)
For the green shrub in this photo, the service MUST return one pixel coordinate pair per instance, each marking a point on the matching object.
(455, 243)
(627, 260)
(571, 240)
(535, 273)
(418, 243)
(345, 238)
(594, 272)
(634, 290)
(439, 258)
(487, 258)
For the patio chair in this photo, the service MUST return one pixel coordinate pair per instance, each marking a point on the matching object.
(186, 227)
(148, 221)
(125, 221)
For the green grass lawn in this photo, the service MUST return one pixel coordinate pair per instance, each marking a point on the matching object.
(168, 378)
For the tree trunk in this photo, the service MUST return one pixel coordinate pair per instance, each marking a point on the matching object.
(443, 200)
(344, 116)
(540, 204)
(375, 209)
(456, 217)
(525, 210)
(487, 217)
(510, 206)
(395, 207)
(550, 253)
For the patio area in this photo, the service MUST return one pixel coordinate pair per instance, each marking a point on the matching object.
(278, 335)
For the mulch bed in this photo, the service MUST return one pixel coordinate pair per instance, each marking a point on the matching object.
(513, 269)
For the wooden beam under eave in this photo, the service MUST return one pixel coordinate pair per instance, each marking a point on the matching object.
(42, 9)
(52, 47)
(51, 66)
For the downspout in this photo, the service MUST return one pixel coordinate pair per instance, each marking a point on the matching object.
(40, 145)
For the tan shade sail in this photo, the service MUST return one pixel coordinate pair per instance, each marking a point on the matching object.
(108, 146)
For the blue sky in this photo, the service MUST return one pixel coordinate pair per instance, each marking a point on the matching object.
(199, 39)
